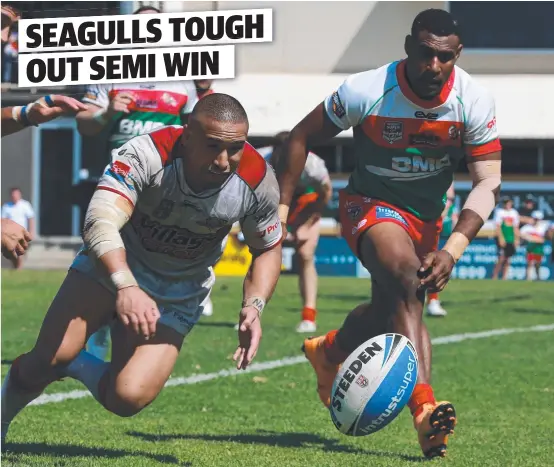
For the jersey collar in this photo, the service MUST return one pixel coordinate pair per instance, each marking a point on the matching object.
(409, 94)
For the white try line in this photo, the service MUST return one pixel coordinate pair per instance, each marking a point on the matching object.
(256, 367)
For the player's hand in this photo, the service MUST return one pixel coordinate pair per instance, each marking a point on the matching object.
(42, 112)
(121, 103)
(250, 334)
(15, 239)
(137, 311)
(435, 270)
(502, 243)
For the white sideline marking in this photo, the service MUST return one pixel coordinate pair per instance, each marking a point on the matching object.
(256, 367)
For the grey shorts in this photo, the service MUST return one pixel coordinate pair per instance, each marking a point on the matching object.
(181, 303)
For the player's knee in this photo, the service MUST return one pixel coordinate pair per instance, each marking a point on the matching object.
(306, 256)
(128, 402)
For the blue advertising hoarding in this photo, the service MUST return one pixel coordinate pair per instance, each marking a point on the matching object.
(334, 258)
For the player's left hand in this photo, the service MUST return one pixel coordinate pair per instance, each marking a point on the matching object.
(250, 334)
(45, 110)
(435, 270)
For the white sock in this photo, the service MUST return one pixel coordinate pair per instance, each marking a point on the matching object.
(88, 369)
(14, 400)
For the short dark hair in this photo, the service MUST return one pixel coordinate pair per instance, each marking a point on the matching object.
(15, 188)
(438, 22)
(146, 8)
(221, 108)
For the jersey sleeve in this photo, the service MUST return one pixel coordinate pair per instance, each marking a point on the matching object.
(262, 227)
(97, 94)
(516, 218)
(132, 169)
(481, 134)
(192, 99)
(347, 106)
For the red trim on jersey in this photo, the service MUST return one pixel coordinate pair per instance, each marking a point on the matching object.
(252, 167)
(113, 190)
(409, 94)
(152, 100)
(164, 139)
(484, 149)
(400, 133)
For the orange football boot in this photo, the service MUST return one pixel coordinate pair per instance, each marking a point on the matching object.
(434, 422)
(324, 370)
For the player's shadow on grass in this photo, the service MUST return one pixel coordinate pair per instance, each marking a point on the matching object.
(6, 362)
(282, 440)
(67, 450)
(531, 311)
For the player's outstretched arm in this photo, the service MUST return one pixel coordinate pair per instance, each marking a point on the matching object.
(110, 209)
(42, 110)
(315, 128)
(259, 285)
(486, 175)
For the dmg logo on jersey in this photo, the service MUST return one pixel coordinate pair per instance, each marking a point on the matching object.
(414, 164)
(137, 127)
(426, 116)
(388, 213)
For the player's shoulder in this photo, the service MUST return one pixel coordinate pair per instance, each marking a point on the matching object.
(253, 168)
(163, 140)
(370, 83)
(468, 89)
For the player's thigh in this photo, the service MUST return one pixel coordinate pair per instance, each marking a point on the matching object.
(140, 368)
(388, 253)
(80, 307)
(310, 234)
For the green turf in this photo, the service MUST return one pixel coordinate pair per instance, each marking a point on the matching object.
(503, 388)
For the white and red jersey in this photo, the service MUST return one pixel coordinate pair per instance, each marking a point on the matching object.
(314, 175)
(174, 232)
(407, 148)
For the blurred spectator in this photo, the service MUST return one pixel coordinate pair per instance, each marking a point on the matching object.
(526, 210)
(203, 87)
(506, 219)
(10, 59)
(21, 212)
(534, 235)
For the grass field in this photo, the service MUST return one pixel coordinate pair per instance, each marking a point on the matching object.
(502, 386)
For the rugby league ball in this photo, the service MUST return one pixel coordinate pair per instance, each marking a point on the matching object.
(374, 384)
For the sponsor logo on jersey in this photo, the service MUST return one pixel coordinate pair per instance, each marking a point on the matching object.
(121, 172)
(453, 132)
(338, 107)
(388, 213)
(137, 127)
(359, 226)
(146, 103)
(425, 139)
(491, 124)
(269, 230)
(213, 223)
(164, 209)
(426, 115)
(353, 210)
(169, 99)
(406, 168)
(393, 132)
(173, 240)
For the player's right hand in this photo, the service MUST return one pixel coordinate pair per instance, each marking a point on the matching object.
(121, 103)
(502, 242)
(137, 311)
(15, 239)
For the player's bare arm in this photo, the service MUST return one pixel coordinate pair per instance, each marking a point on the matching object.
(259, 285)
(93, 120)
(315, 128)
(485, 173)
(42, 110)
